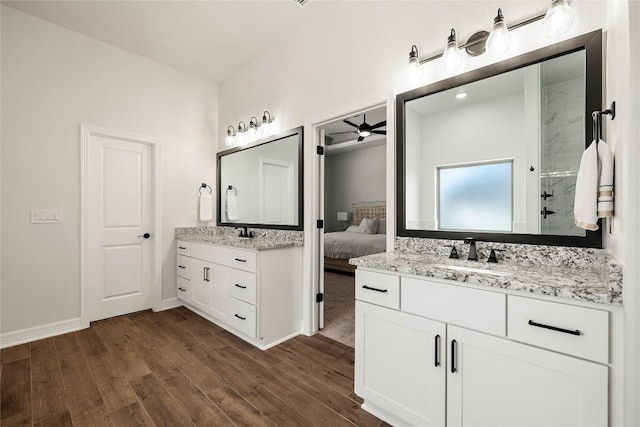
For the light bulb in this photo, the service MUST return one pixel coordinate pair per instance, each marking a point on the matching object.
(558, 19)
(452, 57)
(252, 133)
(500, 38)
(266, 124)
(414, 73)
(228, 141)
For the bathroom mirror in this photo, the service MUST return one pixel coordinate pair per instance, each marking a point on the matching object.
(260, 185)
(494, 153)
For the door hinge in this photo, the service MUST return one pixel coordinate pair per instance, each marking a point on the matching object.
(320, 150)
(320, 223)
(319, 297)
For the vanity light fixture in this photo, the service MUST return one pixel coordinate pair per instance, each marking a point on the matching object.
(452, 57)
(231, 133)
(254, 132)
(557, 21)
(500, 38)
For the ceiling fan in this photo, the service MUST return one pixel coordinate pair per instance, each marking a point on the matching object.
(365, 129)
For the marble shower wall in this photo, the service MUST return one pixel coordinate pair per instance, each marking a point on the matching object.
(561, 149)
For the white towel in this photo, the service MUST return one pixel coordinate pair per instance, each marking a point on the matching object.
(206, 207)
(232, 208)
(594, 186)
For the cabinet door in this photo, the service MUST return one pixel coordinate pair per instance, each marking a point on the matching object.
(200, 284)
(220, 279)
(495, 382)
(400, 364)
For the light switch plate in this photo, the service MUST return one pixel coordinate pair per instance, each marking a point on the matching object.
(46, 216)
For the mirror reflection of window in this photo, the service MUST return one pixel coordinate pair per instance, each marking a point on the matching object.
(476, 197)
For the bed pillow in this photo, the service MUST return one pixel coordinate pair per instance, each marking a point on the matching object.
(382, 226)
(354, 229)
(369, 225)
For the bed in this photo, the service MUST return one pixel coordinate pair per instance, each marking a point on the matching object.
(342, 245)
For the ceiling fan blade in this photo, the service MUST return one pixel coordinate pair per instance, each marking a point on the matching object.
(379, 125)
(350, 123)
(340, 133)
(379, 132)
(361, 138)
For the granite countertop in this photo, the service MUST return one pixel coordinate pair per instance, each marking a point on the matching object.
(601, 285)
(256, 243)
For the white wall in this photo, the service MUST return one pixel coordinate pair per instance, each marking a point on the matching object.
(53, 80)
(353, 176)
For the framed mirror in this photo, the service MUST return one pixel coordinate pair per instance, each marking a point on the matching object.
(260, 185)
(494, 153)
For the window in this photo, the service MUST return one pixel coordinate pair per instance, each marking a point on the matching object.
(476, 197)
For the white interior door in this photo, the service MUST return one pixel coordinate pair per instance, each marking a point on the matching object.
(276, 187)
(119, 211)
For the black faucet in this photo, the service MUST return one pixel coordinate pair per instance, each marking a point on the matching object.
(245, 233)
(473, 255)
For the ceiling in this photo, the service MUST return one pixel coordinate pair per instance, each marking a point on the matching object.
(374, 116)
(210, 39)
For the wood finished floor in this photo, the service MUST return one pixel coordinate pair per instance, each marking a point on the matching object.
(174, 368)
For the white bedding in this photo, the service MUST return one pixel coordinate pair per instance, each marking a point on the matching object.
(345, 244)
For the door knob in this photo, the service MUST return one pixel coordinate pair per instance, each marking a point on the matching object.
(145, 235)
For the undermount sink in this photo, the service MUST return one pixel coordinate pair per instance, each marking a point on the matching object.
(473, 270)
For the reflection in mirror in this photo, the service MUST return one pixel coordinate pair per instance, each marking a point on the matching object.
(260, 185)
(494, 153)
(479, 156)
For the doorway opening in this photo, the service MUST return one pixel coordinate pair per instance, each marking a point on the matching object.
(352, 190)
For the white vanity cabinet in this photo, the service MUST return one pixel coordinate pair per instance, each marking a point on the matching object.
(462, 356)
(253, 294)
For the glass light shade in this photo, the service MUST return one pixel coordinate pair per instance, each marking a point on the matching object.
(265, 128)
(228, 141)
(500, 39)
(252, 134)
(558, 19)
(414, 74)
(452, 57)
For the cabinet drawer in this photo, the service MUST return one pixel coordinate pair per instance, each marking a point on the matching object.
(242, 316)
(230, 257)
(184, 248)
(243, 286)
(579, 331)
(378, 288)
(475, 309)
(183, 267)
(184, 289)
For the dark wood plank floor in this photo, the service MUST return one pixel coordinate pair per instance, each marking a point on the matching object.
(174, 368)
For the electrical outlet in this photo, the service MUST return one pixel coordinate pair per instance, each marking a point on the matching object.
(193, 216)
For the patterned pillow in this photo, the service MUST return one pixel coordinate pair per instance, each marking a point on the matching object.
(369, 225)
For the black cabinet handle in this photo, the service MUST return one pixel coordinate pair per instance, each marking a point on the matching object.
(182, 266)
(374, 289)
(240, 317)
(206, 274)
(241, 260)
(454, 368)
(555, 328)
(240, 286)
(181, 247)
(436, 357)
(182, 289)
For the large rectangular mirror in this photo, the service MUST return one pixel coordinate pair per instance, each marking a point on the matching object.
(260, 185)
(494, 153)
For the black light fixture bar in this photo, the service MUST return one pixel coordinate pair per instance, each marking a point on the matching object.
(483, 40)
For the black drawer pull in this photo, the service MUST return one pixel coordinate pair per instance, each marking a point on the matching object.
(454, 368)
(240, 286)
(374, 289)
(181, 247)
(182, 289)
(240, 317)
(182, 266)
(437, 351)
(241, 260)
(555, 328)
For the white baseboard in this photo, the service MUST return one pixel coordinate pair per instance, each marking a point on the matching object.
(169, 303)
(9, 339)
